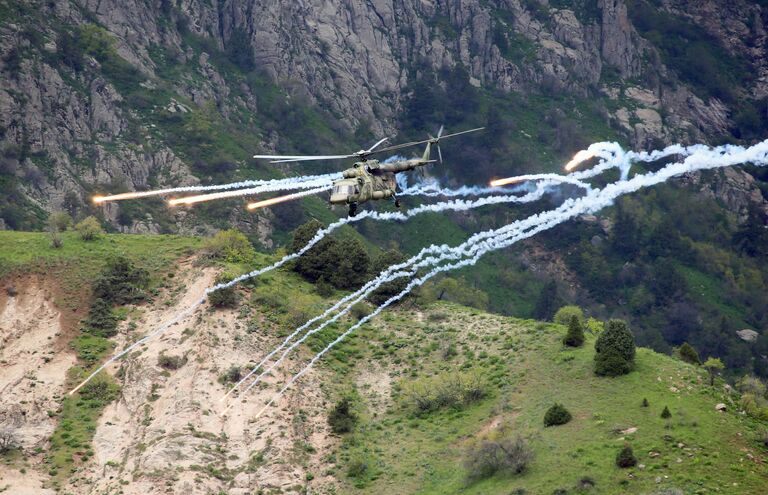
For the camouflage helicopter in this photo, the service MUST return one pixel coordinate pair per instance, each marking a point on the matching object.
(370, 180)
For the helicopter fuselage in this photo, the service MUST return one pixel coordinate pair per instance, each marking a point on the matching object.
(370, 180)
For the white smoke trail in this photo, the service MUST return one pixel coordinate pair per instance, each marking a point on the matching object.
(274, 186)
(699, 159)
(386, 275)
(219, 187)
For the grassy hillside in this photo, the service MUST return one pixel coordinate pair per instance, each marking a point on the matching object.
(526, 369)
(521, 367)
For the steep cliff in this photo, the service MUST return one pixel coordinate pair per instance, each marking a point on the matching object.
(128, 95)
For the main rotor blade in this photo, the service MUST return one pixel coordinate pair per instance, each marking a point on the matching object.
(378, 143)
(430, 140)
(440, 132)
(300, 158)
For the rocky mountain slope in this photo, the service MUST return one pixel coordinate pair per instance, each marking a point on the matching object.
(164, 429)
(128, 95)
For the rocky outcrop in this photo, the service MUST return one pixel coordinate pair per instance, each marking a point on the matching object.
(353, 58)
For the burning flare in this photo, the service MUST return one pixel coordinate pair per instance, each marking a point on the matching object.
(129, 195)
(287, 197)
(578, 159)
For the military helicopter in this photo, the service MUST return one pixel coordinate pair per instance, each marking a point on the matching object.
(370, 180)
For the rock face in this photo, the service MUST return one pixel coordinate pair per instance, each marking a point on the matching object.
(70, 130)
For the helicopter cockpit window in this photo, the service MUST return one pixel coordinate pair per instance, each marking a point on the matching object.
(347, 190)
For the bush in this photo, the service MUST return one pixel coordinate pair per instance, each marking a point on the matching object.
(626, 458)
(665, 414)
(227, 297)
(8, 440)
(121, 282)
(357, 469)
(232, 375)
(101, 321)
(89, 228)
(645, 403)
(56, 240)
(360, 311)
(490, 456)
(575, 335)
(342, 418)
(100, 391)
(688, 354)
(557, 415)
(59, 221)
(229, 245)
(564, 315)
(446, 390)
(611, 363)
(170, 362)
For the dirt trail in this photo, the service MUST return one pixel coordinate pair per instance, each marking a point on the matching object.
(165, 433)
(32, 374)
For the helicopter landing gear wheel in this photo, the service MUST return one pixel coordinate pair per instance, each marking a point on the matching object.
(352, 209)
(397, 203)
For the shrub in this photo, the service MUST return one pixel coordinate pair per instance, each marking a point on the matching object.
(595, 326)
(556, 415)
(8, 440)
(688, 354)
(121, 282)
(229, 245)
(232, 375)
(89, 228)
(665, 414)
(342, 418)
(360, 311)
(357, 469)
(101, 321)
(170, 362)
(56, 240)
(564, 315)
(489, 456)
(100, 391)
(611, 363)
(446, 390)
(626, 458)
(645, 403)
(226, 297)
(575, 335)
(59, 221)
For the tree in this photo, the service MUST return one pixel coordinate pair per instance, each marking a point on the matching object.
(666, 414)
(645, 402)
(388, 289)
(8, 440)
(89, 228)
(547, 302)
(688, 354)
(619, 338)
(348, 264)
(626, 457)
(556, 415)
(624, 236)
(752, 236)
(564, 314)
(615, 350)
(713, 366)
(575, 335)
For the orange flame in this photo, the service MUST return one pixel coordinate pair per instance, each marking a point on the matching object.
(287, 197)
(507, 181)
(189, 200)
(129, 195)
(578, 159)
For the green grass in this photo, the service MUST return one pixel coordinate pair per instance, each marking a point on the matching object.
(528, 369)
